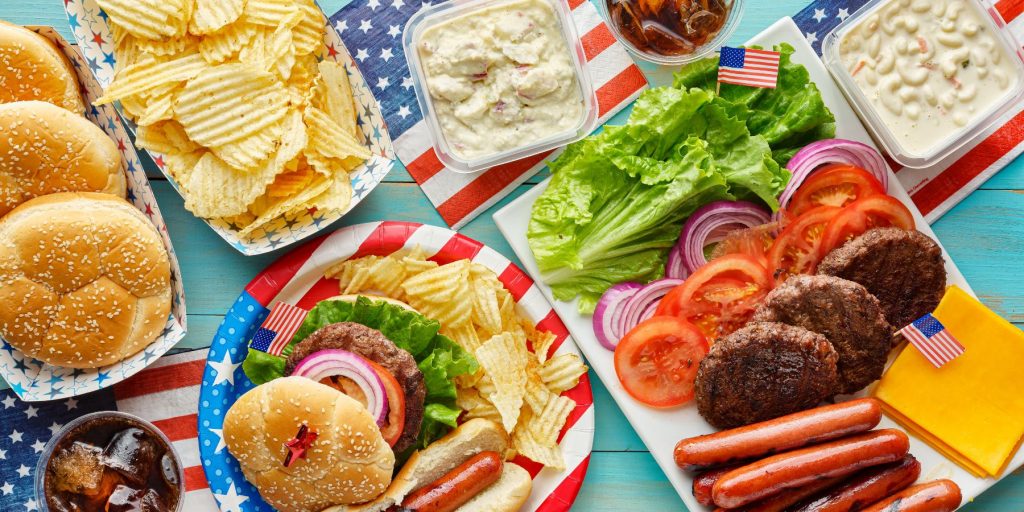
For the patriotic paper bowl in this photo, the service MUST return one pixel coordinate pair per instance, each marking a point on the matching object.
(33, 380)
(297, 279)
(90, 27)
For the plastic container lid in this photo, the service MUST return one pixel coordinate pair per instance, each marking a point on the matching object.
(946, 118)
(731, 22)
(439, 13)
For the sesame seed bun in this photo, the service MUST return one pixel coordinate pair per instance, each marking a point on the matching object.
(33, 68)
(349, 462)
(84, 279)
(46, 149)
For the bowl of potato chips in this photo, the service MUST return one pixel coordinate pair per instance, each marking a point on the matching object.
(253, 109)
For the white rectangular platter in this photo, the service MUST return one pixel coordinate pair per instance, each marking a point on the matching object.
(661, 429)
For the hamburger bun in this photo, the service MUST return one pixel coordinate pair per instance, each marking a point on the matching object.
(348, 462)
(45, 149)
(33, 68)
(84, 279)
(425, 466)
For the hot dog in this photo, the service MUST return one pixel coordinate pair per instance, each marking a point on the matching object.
(785, 499)
(704, 482)
(457, 486)
(867, 487)
(935, 496)
(780, 434)
(773, 474)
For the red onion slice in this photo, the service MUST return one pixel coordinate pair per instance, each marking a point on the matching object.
(608, 312)
(712, 223)
(336, 362)
(829, 151)
(642, 304)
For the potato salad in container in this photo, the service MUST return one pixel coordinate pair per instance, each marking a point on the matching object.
(499, 80)
(925, 75)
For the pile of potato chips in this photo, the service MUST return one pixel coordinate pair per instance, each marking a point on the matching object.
(252, 127)
(515, 387)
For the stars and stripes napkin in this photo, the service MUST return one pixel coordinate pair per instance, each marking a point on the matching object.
(372, 32)
(166, 394)
(936, 189)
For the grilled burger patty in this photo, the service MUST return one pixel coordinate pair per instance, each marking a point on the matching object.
(762, 371)
(904, 269)
(845, 314)
(371, 344)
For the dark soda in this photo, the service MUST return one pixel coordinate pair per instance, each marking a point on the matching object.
(669, 27)
(112, 464)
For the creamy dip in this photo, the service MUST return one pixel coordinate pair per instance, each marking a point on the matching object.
(500, 78)
(929, 68)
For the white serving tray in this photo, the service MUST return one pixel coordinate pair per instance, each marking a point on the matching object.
(661, 429)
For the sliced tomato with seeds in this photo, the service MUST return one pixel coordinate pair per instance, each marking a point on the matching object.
(720, 296)
(834, 185)
(855, 219)
(797, 250)
(657, 360)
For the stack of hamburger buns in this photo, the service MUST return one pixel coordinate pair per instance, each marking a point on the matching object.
(84, 275)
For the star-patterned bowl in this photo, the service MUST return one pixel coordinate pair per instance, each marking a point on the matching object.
(34, 380)
(90, 26)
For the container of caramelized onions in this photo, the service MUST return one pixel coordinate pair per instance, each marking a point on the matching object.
(672, 32)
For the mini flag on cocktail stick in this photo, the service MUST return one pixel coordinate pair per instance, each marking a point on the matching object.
(279, 327)
(748, 66)
(934, 341)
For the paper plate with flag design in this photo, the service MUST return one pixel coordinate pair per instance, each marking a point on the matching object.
(298, 279)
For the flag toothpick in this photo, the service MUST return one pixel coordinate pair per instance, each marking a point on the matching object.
(748, 66)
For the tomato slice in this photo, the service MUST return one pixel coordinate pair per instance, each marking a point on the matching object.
(864, 214)
(797, 249)
(720, 296)
(395, 423)
(753, 242)
(657, 360)
(834, 185)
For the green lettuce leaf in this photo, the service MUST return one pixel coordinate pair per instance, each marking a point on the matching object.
(439, 358)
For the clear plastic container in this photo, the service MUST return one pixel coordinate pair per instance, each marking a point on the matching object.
(442, 12)
(712, 46)
(944, 122)
(51, 445)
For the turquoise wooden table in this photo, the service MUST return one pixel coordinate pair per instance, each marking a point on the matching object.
(984, 235)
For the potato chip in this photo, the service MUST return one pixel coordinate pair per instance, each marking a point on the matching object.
(562, 372)
(333, 95)
(268, 12)
(227, 42)
(357, 279)
(127, 49)
(329, 139)
(159, 104)
(290, 183)
(308, 34)
(537, 394)
(501, 360)
(217, 189)
(465, 336)
(388, 274)
(150, 73)
(286, 205)
(526, 444)
(439, 284)
(249, 153)
(547, 424)
(180, 165)
(149, 19)
(338, 195)
(486, 312)
(303, 73)
(212, 15)
(168, 47)
(477, 406)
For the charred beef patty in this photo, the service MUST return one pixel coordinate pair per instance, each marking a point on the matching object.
(763, 371)
(845, 314)
(902, 268)
(371, 344)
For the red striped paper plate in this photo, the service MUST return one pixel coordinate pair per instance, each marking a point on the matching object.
(298, 279)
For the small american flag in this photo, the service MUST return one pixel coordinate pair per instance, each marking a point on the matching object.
(279, 327)
(748, 66)
(933, 340)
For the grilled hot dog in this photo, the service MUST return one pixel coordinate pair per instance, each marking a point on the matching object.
(867, 487)
(797, 468)
(934, 496)
(784, 500)
(704, 482)
(780, 434)
(457, 486)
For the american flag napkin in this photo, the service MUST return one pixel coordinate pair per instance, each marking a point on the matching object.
(936, 189)
(372, 32)
(166, 394)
